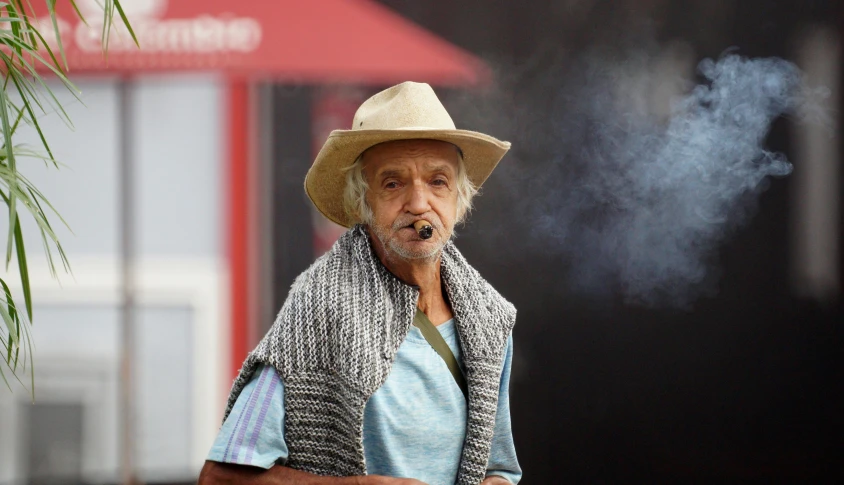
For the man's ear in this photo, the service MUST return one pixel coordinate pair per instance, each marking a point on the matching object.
(460, 213)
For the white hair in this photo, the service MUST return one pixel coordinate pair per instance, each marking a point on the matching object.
(358, 210)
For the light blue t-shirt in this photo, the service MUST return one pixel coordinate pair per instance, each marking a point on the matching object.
(414, 425)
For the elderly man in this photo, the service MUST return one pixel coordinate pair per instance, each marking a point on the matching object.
(389, 363)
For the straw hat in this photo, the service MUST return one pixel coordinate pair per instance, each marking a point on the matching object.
(406, 111)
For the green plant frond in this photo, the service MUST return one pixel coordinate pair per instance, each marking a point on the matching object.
(56, 103)
(15, 42)
(52, 8)
(24, 86)
(30, 69)
(28, 9)
(15, 375)
(21, 83)
(36, 194)
(126, 21)
(30, 344)
(59, 248)
(78, 13)
(22, 49)
(24, 151)
(108, 16)
(25, 16)
(12, 12)
(9, 301)
(33, 122)
(45, 230)
(33, 118)
(12, 181)
(36, 33)
(48, 251)
(17, 120)
(10, 345)
(35, 209)
(23, 269)
(79, 98)
(5, 344)
(3, 375)
(13, 312)
(11, 326)
(3, 155)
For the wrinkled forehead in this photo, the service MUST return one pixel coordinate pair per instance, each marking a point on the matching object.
(411, 151)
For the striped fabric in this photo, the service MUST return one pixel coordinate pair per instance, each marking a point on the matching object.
(335, 340)
(254, 436)
(414, 425)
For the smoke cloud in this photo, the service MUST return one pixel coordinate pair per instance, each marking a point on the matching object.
(638, 201)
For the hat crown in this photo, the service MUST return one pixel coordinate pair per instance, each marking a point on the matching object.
(407, 105)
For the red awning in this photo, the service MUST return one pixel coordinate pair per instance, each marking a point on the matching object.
(293, 40)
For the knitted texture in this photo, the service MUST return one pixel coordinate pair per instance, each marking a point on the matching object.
(336, 337)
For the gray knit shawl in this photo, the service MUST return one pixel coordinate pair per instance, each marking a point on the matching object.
(335, 340)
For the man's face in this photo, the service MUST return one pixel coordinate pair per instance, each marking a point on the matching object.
(410, 180)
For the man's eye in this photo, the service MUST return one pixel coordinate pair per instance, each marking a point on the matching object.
(391, 185)
(439, 182)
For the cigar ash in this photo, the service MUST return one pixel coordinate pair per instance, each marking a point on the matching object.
(424, 229)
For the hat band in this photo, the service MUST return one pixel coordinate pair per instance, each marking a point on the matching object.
(408, 128)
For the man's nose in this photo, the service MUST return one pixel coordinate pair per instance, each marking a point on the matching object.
(418, 202)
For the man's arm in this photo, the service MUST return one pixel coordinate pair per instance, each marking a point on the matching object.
(503, 467)
(253, 460)
(495, 480)
(214, 473)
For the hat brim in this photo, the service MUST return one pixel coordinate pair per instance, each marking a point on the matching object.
(326, 178)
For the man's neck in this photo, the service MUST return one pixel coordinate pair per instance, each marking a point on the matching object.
(422, 273)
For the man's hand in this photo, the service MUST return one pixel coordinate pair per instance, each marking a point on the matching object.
(381, 480)
(495, 480)
(214, 473)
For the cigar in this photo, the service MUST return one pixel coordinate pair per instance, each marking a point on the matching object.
(424, 229)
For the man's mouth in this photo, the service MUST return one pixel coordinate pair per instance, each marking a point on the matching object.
(424, 229)
(411, 227)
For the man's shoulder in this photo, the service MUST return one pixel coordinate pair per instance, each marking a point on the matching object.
(332, 294)
(472, 282)
(335, 270)
(484, 312)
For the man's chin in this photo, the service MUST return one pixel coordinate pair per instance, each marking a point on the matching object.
(417, 250)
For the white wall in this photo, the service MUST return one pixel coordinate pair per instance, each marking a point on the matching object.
(182, 289)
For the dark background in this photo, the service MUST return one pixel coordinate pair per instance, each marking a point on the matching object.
(745, 386)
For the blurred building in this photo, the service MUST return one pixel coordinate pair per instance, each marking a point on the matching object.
(743, 389)
(171, 170)
(181, 310)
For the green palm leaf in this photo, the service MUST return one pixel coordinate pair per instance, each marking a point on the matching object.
(23, 53)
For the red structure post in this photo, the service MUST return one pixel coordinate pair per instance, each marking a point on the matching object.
(240, 220)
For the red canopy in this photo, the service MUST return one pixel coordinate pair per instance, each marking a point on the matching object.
(295, 40)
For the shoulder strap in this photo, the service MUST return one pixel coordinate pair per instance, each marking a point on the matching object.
(436, 340)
